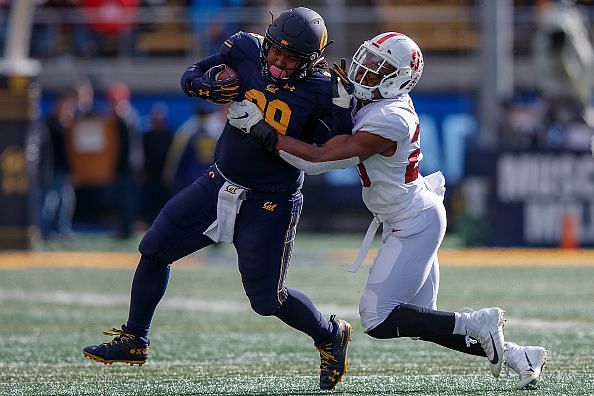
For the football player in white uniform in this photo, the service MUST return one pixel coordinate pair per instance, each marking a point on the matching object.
(400, 299)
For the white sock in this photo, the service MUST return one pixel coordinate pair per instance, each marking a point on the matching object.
(460, 323)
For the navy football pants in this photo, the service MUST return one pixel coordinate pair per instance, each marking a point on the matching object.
(264, 232)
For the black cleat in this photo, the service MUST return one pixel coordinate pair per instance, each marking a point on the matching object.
(125, 348)
(333, 354)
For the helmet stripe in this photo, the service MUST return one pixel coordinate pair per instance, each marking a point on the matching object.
(324, 38)
(385, 37)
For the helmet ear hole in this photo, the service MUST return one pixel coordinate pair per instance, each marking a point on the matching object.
(404, 84)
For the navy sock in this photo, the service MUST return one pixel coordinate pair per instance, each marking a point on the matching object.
(148, 287)
(409, 320)
(299, 312)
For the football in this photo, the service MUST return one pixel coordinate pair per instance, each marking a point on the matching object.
(226, 74)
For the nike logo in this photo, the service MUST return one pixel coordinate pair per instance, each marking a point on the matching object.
(495, 359)
(245, 115)
(529, 362)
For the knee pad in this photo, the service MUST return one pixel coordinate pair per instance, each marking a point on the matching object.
(149, 245)
(264, 304)
(368, 312)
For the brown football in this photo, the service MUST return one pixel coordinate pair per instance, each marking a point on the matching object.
(226, 74)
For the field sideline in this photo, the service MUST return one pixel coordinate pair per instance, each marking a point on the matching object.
(207, 341)
(447, 257)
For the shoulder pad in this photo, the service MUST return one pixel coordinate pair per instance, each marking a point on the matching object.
(239, 46)
(320, 83)
(258, 36)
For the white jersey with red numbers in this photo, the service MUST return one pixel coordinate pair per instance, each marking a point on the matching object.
(405, 269)
(393, 189)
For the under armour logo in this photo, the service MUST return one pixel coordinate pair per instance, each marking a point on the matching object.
(288, 87)
(138, 351)
(203, 93)
(269, 206)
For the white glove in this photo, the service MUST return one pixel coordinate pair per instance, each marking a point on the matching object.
(344, 98)
(244, 115)
(342, 87)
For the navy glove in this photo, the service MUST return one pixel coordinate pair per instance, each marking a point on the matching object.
(209, 88)
(342, 87)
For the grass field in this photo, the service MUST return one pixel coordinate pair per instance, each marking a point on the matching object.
(206, 340)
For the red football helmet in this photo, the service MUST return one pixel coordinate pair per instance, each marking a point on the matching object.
(391, 63)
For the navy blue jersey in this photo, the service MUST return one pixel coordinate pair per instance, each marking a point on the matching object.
(300, 109)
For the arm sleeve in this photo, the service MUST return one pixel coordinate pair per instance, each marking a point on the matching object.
(315, 168)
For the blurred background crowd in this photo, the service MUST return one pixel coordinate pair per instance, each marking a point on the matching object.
(505, 103)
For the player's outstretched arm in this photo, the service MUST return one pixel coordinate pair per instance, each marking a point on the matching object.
(316, 168)
(246, 116)
(341, 151)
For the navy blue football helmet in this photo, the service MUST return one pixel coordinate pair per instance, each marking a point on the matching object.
(303, 33)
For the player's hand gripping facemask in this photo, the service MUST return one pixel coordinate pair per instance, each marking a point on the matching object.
(342, 88)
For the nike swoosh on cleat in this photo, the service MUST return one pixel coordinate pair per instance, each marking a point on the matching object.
(529, 362)
(495, 359)
(245, 115)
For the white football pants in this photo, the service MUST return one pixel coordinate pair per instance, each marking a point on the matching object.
(405, 269)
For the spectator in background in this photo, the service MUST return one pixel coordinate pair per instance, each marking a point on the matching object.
(156, 143)
(130, 156)
(46, 35)
(564, 70)
(85, 97)
(262, 8)
(521, 125)
(192, 150)
(57, 199)
(212, 26)
(109, 29)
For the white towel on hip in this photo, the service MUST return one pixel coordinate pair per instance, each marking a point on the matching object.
(435, 182)
(228, 205)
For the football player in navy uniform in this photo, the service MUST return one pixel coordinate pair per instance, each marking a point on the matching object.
(400, 298)
(249, 196)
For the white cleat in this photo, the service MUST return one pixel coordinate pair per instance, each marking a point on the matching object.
(527, 361)
(486, 326)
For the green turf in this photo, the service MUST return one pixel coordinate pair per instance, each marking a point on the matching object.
(206, 340)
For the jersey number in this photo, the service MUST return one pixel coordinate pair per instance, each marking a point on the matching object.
(363, 175)
(412, 169)
(276, 112)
